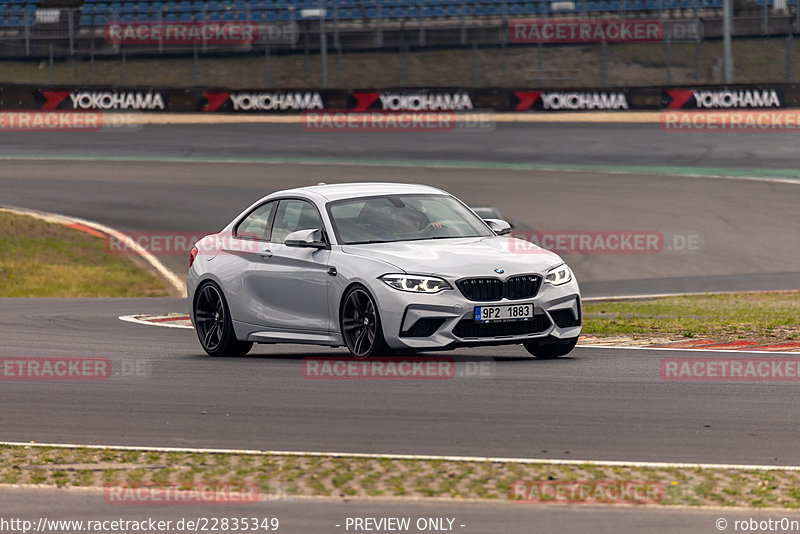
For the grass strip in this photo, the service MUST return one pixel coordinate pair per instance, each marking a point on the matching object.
(41, 259)
(286, 476)
(763, 317)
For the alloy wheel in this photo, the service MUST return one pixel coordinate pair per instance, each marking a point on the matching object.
(209, 316)
(359, 323)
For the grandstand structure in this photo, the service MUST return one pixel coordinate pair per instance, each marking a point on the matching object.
(92, 13)
(98, 12)
(61, 29)
(18, 13)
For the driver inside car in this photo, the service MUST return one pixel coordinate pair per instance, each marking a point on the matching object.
(410, 220)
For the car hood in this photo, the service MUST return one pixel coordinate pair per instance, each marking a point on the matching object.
(460, 257)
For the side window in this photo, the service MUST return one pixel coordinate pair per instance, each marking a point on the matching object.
(294, 215)
(256, 224)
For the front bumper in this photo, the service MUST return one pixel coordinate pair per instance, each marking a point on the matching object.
(443, 320)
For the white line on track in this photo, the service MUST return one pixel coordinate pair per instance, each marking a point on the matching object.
(134, 319)
(546, 461)
(688, 294)
(56, 218)
(729, 351)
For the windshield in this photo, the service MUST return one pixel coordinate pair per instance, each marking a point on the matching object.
(389, 218)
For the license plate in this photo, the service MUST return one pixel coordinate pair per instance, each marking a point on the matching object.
(515, 312)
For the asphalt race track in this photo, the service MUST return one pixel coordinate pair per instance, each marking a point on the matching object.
(596, 404)
(743, 232)
(576, 143)
(601, 404)
(748, 240)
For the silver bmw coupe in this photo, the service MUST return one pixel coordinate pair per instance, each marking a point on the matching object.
(380, 268)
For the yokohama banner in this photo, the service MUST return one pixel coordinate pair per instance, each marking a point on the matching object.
(111, 99)
(105, 100)
(724, 98)
(412, 100)
(94, 98)
(264, 101)
(571, 100)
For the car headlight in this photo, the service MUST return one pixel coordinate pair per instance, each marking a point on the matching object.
(415, 283)
(558, 275)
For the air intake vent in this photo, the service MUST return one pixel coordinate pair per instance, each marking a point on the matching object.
(424, 327)
(469, 328)
(565, 318)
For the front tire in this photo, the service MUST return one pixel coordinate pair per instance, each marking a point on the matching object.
(550, 347)
(360, 324)
(214, 325)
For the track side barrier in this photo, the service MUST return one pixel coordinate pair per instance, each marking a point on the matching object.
(292, 101)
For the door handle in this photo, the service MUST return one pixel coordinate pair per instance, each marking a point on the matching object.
(266, 253)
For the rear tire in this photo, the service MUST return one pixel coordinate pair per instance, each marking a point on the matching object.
(550, 347)
(214, 326)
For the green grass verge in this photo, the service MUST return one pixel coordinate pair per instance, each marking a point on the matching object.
(285, 476)
(40, 259)
(765, 317)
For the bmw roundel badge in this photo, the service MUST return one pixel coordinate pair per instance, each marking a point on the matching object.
(499, 270)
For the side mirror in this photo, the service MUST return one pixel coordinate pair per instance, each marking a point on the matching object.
(311, 238)
(498, 226)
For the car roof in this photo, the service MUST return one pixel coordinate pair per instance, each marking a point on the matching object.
(332, 192)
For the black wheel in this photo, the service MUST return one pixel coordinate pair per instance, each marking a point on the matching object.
(214, 326)
(361, 324)
(550, 347)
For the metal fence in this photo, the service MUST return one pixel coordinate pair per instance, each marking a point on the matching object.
(456, 52)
